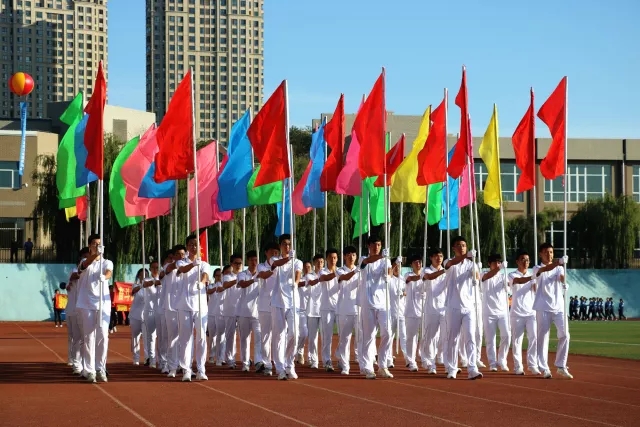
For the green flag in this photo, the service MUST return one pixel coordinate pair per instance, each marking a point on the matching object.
(355, 211)
(435, 202)
(268, 194)
(117, 189)
(66, 157)
(376, 194)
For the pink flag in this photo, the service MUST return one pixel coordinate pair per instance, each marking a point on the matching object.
(349, 182)
(134, 170)
(466, 197)
(206, 162)
(298, 206)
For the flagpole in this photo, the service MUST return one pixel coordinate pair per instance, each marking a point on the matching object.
(220, 222)
(386, 219)
(98, 203)
(174, 220)
(440, 240)
(446, 176)
(326, 203)
(196, 204)
(535, 193)
(87, 227)
(232, 226)
(195, 196)
(566, 183)
(426, 226)
(341, 228)
(313, 250)
(398, 309)
(160, 260)
(244, 234)
(292, 217)
(472, 192)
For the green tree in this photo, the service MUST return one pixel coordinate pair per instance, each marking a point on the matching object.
(519, 230)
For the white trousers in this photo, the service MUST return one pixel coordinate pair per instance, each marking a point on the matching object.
(136, 332)
(230, 327)
(544, 320)
(303, 332)
(69, 337)
(212, 337)
(394, 334)
(478, 335)
(284, 345)
(171, 318)
(372, 318)
(413, 325)
(95, 339)
(434, 332)
(327, 320)
(75, 350)
(150, 338)
(313, 327)
(188, 321)
(264, 317)
(347, 325)
(461, 327)
(220, 339)
(246, 325)
(518, 326)
(161, 337)
(491, 324)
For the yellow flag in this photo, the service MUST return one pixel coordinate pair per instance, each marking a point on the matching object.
(490, 153)
(70, 212)
(404, 187)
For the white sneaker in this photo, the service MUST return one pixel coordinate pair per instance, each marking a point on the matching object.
(115, 329)
(282, 376)
(344, 372)
(101, 377)
(432, 371)
(77, 371)
(413, 368)
(267, 372)
(186, 377)
(218, 363)
(291, 374)
(519, 372)
(439, 361)
(452, 375)
(563, 372)
(201, 377)
(245, 368)
(69, 364)
(314, 365)
(164, 370)
(534, 371)
(91, 378)
(110, 330)
(328, 367)
(386, 373)
(370, 375)
(493, 369)
(480, 364)
(504, 368)
(477, 375)
(547, 374)
(172, 374)
(152, 363)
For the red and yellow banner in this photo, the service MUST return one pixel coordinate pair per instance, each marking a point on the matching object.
(60, 301)
(121, 295)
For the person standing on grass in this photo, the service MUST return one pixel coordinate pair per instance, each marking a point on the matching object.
(495, 311)
(549, 305)
(621, 310)
(93, 294)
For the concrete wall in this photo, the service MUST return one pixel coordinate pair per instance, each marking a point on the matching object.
(27, 289)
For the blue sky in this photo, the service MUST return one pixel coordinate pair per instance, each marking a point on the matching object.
(339, 46)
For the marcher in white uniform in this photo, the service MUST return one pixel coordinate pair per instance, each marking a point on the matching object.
(495, 310)
(328, 303)
(397, 323)
(247, 312)
(549, 304)
(73, 320)
(313, 309)
(192, 310)
(221, 321)
(462, 279)
(172, 294)
(523, 290)
(213, 312)
(161, 322)
(435, 325)
(150, 303)
(374, 306)
(347, 309)
(413, 310)
(136, 315)
(231, 298)
(288, 271)
(303, 330)
(267, 284)
(94, 307)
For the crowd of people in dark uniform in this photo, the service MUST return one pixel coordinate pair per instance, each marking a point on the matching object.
(583, 308)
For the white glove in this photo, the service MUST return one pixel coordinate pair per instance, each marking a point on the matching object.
(103, 278)
(196, 261)
(101, 249)
(504, 264)
(399, 260)
(471, 254)
(564, 260)
(385, 252)
(292, 254)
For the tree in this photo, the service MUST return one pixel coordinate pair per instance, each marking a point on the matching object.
(519, 230)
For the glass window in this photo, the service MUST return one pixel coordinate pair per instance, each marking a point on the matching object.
(9, 177)
(636, 183)
(555, 236)
(585, 182)
(509, 174)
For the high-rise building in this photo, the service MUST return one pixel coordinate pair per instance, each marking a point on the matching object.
(58, 42)
(223, 40)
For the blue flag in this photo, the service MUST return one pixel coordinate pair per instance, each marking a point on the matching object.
(233, 181)
(312, 197)
(454, 212)
(83, 176)
(152, 190)
(284, 216)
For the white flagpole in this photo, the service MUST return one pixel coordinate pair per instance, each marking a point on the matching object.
(160, 260)
(232, 226)
(534, 192)
(244, 234)
(87, 226)
(398, 308)
(326, 201)
(195, 194)
(220, 222)
(426, 226)
(446, 176)
(313, 250)
(342, 228)
(98, 207)
(566, 183)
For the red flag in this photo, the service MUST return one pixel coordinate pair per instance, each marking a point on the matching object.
(370, 128)
(94, 132)
(298, 205)
(334, 135)
(432, 163)
(268, 136)
(81, 208)
(463, 146)
(395, 156)
(524, 141)
(554, 114)
(174, 159)
(204, 246)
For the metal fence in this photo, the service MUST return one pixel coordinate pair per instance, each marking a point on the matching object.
(43, 255)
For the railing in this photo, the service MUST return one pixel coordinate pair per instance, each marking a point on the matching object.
(44, 255)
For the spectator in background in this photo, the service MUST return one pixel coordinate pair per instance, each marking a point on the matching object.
(621, 310)
(14, 250)
(28, 249)
(57, 313)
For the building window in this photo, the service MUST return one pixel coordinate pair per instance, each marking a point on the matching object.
(9, 177)
(586, 182)
(11, 229)
(509, 173)
(636, 183)
(555, 236)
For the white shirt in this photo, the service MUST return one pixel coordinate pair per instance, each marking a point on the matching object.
(282, 296)
(193, 291)
(314, 292)
(266, 288)
(214, 306)
(160, 297)
(231, 295)
(415, 296)
(303, 298)
(435, 292)
(247, 305)
(150, 296)
(495, 296)
(330, 291)
(173, 290)
(522, 295)
(137, 305)
(549, 290)
(375, 277)
(72, 295)
(396, 296)
(460, 289)
(348, 292)
(90, 286)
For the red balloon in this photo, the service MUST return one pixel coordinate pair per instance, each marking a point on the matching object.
(21, 84)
